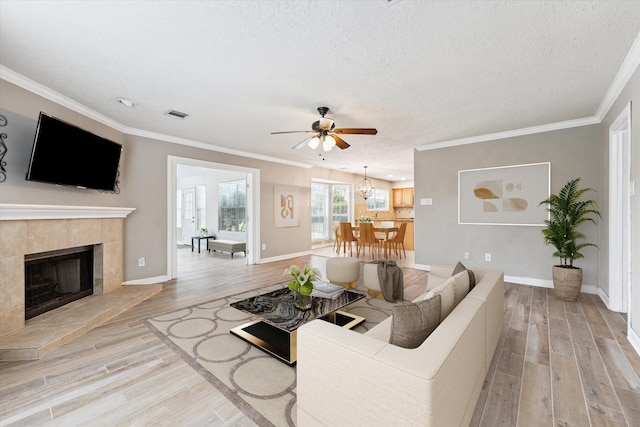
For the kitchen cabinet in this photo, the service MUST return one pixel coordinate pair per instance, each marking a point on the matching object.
(403, 197)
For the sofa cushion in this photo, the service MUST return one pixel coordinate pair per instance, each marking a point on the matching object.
(413, 322)
(446, 293)
(460, 287)
(460, 267)
(437, 275)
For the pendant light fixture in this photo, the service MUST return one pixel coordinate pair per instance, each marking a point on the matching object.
(365, 188)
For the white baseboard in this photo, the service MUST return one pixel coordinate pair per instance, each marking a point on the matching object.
(604, 297)
(282, 257)
(634, 339)
(322, 245)
(148, 280)
(544, 283)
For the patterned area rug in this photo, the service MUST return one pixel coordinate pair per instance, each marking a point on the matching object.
(258, 384)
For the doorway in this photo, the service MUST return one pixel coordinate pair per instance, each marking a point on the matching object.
(177, 210)
(619, 211)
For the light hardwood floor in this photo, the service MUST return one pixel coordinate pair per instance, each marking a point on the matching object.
(557, 364)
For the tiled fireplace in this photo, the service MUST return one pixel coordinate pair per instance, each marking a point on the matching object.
(32, 229)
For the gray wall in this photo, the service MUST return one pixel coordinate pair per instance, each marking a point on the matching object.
(517, 250)
(21, 109)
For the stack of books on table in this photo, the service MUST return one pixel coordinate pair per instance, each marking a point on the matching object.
(326, 290)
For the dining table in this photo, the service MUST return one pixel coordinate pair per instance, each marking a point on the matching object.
(387, 232)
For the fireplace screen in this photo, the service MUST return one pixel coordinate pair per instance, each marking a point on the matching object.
(53, 279)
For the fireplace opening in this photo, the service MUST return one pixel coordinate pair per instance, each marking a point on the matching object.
(56, 278)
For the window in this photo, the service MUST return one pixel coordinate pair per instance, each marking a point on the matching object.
(232, 206)
(329, 202)
(201, 206)
(340, 203)
(379, 201)
(319, 209)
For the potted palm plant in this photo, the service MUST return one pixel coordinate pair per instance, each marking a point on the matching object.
(567, 211)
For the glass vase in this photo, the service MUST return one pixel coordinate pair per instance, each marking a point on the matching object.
(302, 302)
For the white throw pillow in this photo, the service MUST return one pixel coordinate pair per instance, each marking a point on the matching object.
(446, 293)
(460, 287)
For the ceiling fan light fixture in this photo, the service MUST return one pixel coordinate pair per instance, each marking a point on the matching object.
(328, 143)
(326, 124)
(365, 188)
(314, 142)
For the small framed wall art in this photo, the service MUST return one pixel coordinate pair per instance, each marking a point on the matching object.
(286, 206)
(506, 195)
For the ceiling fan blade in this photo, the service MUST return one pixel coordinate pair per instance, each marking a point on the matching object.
(301, 144)
(353, 131)
(292, 131)
(341, 143)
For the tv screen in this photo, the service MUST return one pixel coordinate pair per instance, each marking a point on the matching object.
(64, 154)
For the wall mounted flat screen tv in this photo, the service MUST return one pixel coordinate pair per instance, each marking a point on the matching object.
(64, 154)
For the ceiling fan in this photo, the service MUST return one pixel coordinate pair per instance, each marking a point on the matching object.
(326, 133)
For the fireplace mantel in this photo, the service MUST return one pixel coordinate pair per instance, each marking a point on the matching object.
(15, 212)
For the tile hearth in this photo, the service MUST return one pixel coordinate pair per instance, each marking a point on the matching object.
(57, 327)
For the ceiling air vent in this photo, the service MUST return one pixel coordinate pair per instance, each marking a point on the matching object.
(176, 114)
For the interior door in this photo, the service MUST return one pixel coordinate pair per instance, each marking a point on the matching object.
(188, 214)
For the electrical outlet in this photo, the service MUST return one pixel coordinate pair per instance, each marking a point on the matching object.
(487, 257)
(264, 246)
(466, 255)
(141, 261)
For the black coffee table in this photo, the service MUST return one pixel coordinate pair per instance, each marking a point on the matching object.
(277, 320)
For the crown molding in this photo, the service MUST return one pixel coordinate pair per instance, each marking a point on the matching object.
(43, 91)
(511, 133)
(629, 66)
(210, 147)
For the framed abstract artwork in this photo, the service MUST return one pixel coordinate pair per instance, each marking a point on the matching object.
(286, 207)
(506, 195)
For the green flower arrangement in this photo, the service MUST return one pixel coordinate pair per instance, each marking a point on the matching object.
(302, 279)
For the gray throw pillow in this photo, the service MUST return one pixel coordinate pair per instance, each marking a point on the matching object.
(413, 322)
(472, 277)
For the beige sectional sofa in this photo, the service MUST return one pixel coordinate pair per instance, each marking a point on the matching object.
(346, 378)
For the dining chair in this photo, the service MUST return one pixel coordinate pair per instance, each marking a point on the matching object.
(368, 238)
(398, 240)
(385, 224)
(347, 236)
(336, 236)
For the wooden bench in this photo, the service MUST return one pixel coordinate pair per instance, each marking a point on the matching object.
(230, 246)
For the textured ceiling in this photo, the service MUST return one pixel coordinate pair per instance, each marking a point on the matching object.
(420, 72)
